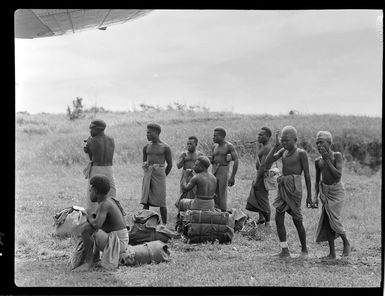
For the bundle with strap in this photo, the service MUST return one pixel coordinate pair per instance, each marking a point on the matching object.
(67, 219)
(209, 217)
(202, 226)
(203, 232)
(147, 253)
(146, 228)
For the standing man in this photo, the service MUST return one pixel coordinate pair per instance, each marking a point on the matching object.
(258, 200)
(186, 161)
(294, 162)
(332, 193)
(155, 154)
(222, 153)
(100, 149)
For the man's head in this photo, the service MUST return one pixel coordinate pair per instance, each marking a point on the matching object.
(201, 164)
(192, 143)
(153, 131)
(288, 137)
(219, 134)
(264, 135)
(324, 139)
(97, 126)
(99, 187)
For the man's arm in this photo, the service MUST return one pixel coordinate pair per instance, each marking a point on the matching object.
(145, 153)
(211, 157)
(167, 154)
(262, 165)
(234, 156)
(317, 179)
(101, 216)
(336, 171)
(87, 149)
(273, 155)
(190, 185)
(305, 167)
(180, 162)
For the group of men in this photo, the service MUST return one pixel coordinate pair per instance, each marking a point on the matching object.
(204, 190)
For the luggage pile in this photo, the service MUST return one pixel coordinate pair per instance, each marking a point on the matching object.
(202, 226)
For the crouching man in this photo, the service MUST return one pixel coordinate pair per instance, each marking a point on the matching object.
(205, 183)
(104, 231)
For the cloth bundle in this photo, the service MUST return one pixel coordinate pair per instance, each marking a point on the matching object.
(146, 228)
(66, 220)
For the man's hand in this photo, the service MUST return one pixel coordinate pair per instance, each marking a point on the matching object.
(229, 157)
(183, 155)
(324, 153)
(190, 172)
(231, 181)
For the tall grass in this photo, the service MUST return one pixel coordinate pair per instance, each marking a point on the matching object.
(60, 140)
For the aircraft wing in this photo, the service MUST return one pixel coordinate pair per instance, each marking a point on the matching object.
(37, 23)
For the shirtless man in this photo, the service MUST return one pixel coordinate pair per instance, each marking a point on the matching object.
(100, 149)
(105, 229)
(294, 162)
(205, 184)
(155, 154)
(331, 190)
(258, 200)
(186, 161)
(223, 151)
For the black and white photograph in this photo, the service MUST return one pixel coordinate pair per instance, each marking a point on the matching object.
(219, 148)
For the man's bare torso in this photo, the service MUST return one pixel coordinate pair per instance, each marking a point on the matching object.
(220, 152)
(114, 218)
(156, 153)
(291, 163)
(327, 177)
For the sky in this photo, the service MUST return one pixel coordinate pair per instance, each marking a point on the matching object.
(242, 61)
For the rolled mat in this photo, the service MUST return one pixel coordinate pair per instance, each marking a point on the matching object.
(151, 252)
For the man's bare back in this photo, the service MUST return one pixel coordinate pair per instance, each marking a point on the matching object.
(101, 150)
(206, 184)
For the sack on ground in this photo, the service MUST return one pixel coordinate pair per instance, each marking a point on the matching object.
(270, 178)
(66, 220)
(140, 233)
(147, 216)
(202, 232)
(150, 252)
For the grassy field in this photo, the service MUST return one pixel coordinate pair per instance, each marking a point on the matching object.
(49, 163)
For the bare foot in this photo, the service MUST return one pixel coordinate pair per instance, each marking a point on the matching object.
(83, 267)
(346, 250)
(283, 254)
